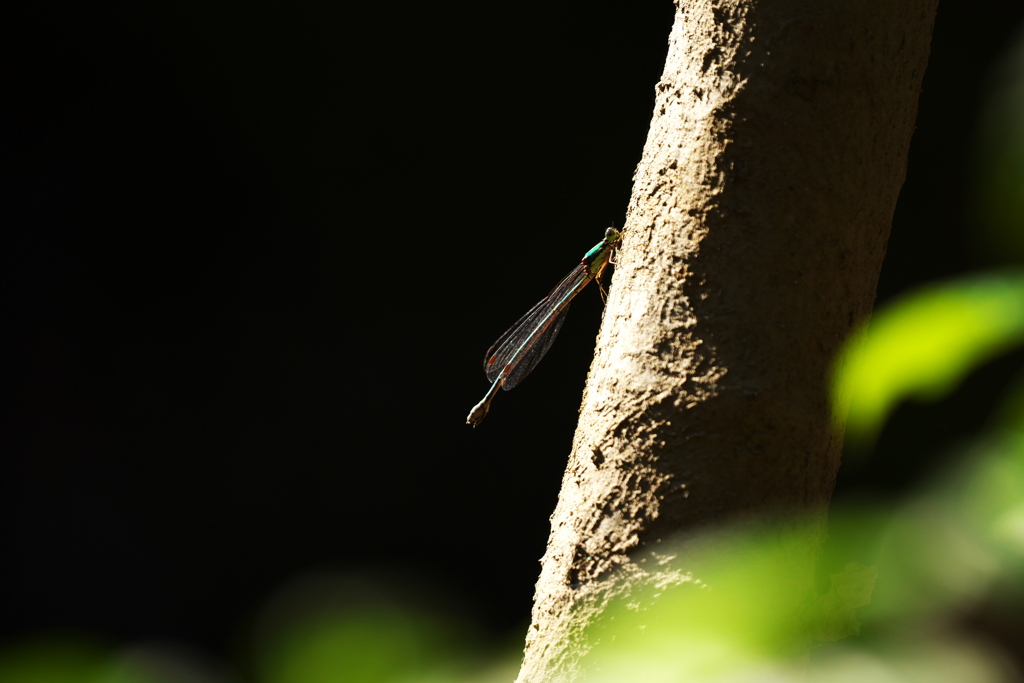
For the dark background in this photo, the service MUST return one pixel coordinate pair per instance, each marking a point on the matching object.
(252, 256)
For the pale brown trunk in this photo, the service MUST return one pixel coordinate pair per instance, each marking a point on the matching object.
(754, 239)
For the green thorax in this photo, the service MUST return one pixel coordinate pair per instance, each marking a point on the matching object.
(597, 258)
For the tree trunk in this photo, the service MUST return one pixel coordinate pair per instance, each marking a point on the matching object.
(752, 247)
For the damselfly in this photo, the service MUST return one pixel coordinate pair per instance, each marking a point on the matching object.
(517, 352)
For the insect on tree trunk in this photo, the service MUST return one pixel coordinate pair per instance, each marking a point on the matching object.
(752, 247)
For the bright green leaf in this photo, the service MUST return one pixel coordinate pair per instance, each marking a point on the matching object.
(922, 345)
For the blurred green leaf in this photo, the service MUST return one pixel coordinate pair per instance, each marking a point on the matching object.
(325, 628)
(751, 614)
(357, 647)
(914, 657)
(922, 345)
(848, 590)
(985, 493)
(744, 603)
(53, 660)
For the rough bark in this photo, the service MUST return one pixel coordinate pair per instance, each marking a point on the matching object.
(753, 242)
